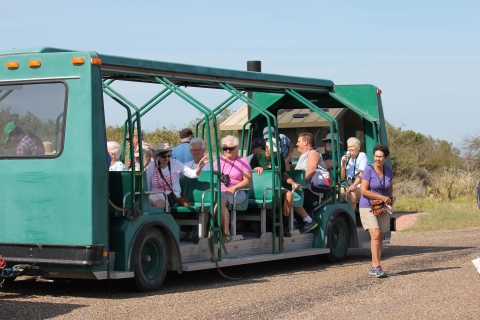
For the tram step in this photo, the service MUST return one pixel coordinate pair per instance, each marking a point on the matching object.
(192, 266)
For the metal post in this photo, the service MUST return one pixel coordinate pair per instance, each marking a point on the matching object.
(256, 66)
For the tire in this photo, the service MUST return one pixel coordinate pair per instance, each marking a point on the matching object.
(338, 239)
(149, 259)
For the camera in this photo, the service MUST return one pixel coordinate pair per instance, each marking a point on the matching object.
(349, 181)
(225, 179)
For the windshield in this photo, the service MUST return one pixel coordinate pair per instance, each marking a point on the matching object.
(32, 117)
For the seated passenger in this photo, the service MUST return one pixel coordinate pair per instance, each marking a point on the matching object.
(147, 158)
(136, 146)
(286, 146)
(236, 173)
(164, 174)
(353, 164)
(261, 161)
(327, 156)
(258, 145)
(115, 151)
(197, 149)
(309, 162)
(29, 144)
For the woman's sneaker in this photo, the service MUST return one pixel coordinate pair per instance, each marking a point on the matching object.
(378, 272)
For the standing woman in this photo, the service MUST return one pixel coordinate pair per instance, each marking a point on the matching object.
(376, 185)
(353, 164)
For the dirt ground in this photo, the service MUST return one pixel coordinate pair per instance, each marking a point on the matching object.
(430, 277)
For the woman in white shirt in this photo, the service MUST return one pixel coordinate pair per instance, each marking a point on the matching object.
(197, 149)
(353, 164)
(165, 173)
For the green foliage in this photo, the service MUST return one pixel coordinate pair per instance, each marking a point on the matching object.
(171, 135)
(459, 213)
(471, 149)
(414, 154)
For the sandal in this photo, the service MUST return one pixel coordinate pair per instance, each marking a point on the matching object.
(227, 238)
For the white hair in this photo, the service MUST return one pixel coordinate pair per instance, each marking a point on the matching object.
(357, 142)
(114, 147)
(197, 141)
(231, 138)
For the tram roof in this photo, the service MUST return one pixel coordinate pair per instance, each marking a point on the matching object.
(143, 70)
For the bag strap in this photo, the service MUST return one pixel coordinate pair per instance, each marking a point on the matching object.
(165, 180)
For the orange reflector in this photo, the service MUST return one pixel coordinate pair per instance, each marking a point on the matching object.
(105, 254)
(12, 65)
(78, 60)
(96, 61)
(34, 63)
(379, 91)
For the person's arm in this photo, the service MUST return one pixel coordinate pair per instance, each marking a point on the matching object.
(201, 164)
(149, 173)
(247, 178)
(290, 153)
(289, 180)
(312, 163)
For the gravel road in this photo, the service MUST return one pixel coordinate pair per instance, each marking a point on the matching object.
(430, 277)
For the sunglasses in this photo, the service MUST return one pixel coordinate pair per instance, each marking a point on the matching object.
(166, 156)
(229, 148)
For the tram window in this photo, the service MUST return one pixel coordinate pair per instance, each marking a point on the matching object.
(32, 116)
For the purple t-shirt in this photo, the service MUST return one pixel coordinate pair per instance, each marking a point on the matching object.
(376, 184)
(234, 169)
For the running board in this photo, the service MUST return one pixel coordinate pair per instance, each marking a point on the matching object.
(193, 266)
(103, 275)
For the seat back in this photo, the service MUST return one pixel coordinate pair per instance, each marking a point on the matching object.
(193, 188)
(258, 186)
(120, 182)
(299, 177)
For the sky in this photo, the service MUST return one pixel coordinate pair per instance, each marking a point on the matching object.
(423, 55)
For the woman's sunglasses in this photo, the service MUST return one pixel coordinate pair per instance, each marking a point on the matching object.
(166, 156)
(229, 148)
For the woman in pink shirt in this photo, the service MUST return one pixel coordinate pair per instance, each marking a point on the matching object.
(236, 173)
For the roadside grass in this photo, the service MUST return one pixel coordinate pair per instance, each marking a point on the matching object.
(444, 214)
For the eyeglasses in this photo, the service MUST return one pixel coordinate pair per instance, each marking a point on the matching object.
(166, 156)
(196, 150)
(229, 148)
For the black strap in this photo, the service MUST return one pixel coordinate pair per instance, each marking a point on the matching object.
(159, 168)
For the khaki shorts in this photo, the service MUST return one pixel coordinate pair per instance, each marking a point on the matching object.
(370, 221)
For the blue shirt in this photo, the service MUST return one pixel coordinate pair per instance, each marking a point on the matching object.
(182, 152)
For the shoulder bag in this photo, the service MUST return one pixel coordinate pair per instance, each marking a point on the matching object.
(320, 182)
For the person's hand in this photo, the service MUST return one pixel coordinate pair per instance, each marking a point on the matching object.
(129, 163)
(295, 185)
(203, 161)
(344, 160)
(352, 188)
(259, 170)
(231, 190)
(387, 200)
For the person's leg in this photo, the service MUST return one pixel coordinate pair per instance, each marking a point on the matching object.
(375, 246)
(157, 200)
(225, 220)
(287, 200)
(380, 247)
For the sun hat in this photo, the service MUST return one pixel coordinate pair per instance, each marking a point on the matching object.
(135, 133)
(162, 147)
(8, 129)
(145, 150)
(274, 142)
(328, 138)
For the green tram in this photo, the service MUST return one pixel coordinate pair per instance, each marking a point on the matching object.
(64, 215)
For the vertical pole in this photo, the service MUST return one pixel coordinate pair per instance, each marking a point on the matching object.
(256, 66)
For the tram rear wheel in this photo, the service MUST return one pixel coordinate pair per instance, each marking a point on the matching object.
(149, 261)
(338, 240)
